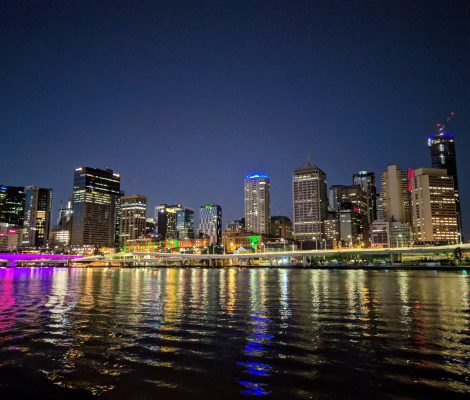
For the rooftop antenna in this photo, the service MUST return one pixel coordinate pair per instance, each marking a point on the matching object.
(441, 127)
(309, 159)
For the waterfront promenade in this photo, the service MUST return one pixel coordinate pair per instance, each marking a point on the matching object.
(429, 255)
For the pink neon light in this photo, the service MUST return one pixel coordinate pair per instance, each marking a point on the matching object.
(411, 175)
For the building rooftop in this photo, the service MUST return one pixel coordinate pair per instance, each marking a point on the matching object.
(308, 166)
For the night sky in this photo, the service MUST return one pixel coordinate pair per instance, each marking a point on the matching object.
(183, 99)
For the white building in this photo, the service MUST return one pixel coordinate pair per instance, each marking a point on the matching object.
(435, 215)
(257, 207)
(310, 202)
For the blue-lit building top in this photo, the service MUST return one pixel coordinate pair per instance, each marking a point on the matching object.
(257, 175)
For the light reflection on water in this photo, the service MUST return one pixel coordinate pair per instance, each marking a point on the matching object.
(277, 333)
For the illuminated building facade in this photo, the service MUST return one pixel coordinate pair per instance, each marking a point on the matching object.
(165, 220)
(236, 241)
(12, 200)
(331, 230)
(37, 216)
(281, 227)
(366, 180)
(60, 234)
(310, 203)
(95, 196)
(133, 218)
(353, 206)
(184, 223)
(387, 234)
(10, 237)
(395, 196)
(168, 245)
(442, 149)
(257, 203)
(435, 217)
(210, 222)
(350, 222)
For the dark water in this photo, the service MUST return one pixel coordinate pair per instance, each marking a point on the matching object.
(233, 333)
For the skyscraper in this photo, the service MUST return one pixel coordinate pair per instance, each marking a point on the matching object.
(185, 223)
(37, 216)
(257, 207)
(442, 148)
(133, 218)
(366, 180)
(353, 210)
(210, 222)
(310, 203)
(95, 194)
(60, 235)
(12, 205)
(165, 219)
(395, 196)
(435, 217)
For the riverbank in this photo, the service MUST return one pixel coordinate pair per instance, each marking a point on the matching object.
(388, 267)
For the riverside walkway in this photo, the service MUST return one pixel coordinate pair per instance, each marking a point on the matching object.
(268, 258)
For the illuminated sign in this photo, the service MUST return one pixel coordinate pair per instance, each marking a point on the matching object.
(411, 175)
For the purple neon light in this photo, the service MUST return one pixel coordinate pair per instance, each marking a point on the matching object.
(13, 258)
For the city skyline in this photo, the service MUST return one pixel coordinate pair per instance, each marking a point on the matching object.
(288, 85)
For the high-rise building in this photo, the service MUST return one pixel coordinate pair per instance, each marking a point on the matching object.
(380, 207)
(366, 180)
(60, 235)
(117, 220)
(331, 230)
(133, 218)
(150, 228)
(353, 210)
(165, 219)
(395, 195)
(210, 222)
(310, 203)
(281, 226)
(95, 194)
(442, 148)
(12, 205)
(435, 217)
(185, 223)
(37, 216)
(333, 197)
(257, 206)
(350, 227)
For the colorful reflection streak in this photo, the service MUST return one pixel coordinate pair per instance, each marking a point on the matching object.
(14, 258)
(257, 346)
(211, 333)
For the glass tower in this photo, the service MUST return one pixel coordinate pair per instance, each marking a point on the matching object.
(95, 195)
(12, 205)
(210, 222)
(442, 148)
(37, 216)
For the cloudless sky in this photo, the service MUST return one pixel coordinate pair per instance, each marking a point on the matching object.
(184, 98)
